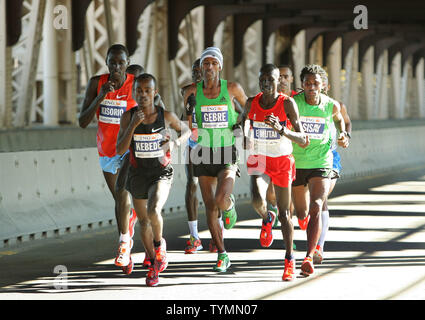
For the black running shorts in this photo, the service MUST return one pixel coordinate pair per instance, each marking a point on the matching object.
(210, 161)
(303, 175)
(140, 180)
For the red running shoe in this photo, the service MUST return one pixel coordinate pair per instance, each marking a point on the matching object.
(307, 266)
(289, 271)
(129, 268)
(152, 278)
(266, 235)
(161, 261)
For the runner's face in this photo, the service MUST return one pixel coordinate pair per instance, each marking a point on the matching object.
(285, 79)
(312, 84)
(269, 82)
(144, 92)
(325, 86)
(210, 68)
(117, 63)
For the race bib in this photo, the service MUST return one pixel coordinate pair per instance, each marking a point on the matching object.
(148, 145)
(112, 110)
(263, 133)
(214, 117)
(313, 127)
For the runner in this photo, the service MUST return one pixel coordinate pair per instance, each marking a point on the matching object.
(194, 244)
(215, 158)
(314, 161)
(271, 160)
(285, 84)
(107, 97)
(318, 252)
(143, 131)
(286, 79)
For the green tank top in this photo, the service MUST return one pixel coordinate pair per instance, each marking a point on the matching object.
(215, 118)
(316, 123)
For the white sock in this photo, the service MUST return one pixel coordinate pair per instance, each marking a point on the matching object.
(193, 228)
(325, 228)
(221, 223)
(125, 237)
(232, 205)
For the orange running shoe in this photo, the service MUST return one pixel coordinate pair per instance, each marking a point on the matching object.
(318, 255)
(193, 245)
(161, 261)
(304, 222)
(266, 235)
(307, 266)
(129, 268)
(289, 271)
(152, 279)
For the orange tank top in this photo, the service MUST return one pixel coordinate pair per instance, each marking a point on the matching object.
(109, 114)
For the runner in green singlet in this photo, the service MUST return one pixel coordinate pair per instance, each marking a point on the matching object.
(215, 157)
(314, 160)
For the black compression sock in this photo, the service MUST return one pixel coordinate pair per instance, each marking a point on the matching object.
(156, 243)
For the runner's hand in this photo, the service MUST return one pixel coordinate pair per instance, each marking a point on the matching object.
(307, 142)
(343, 140)
(191, 103)
(106, 88)
(273, 121)
(138, 118)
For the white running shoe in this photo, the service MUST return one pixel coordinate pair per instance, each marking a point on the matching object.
(123, 256)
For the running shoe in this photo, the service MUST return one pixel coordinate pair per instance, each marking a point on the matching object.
(152, 279)
(304, 222)
(129, 268)
(223, 263)
(230, 216)
(289, 271)
(147, 261)
(212, 247)
(132, 222)
(161, 261)
(193, 245)
(266, 235)
(307, 266)
(318, 255)
(123, 256)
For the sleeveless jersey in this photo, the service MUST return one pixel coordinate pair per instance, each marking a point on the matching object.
(215, 118)
(267, 141)
(316, 122)
(109, 114)
(145, 146)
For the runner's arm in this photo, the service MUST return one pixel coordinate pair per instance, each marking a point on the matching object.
(186, 94)
(298, 136)
(340, 125)
(127, 127)
(90, 103)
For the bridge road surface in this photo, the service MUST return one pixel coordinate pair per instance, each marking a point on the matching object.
(375, 250)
